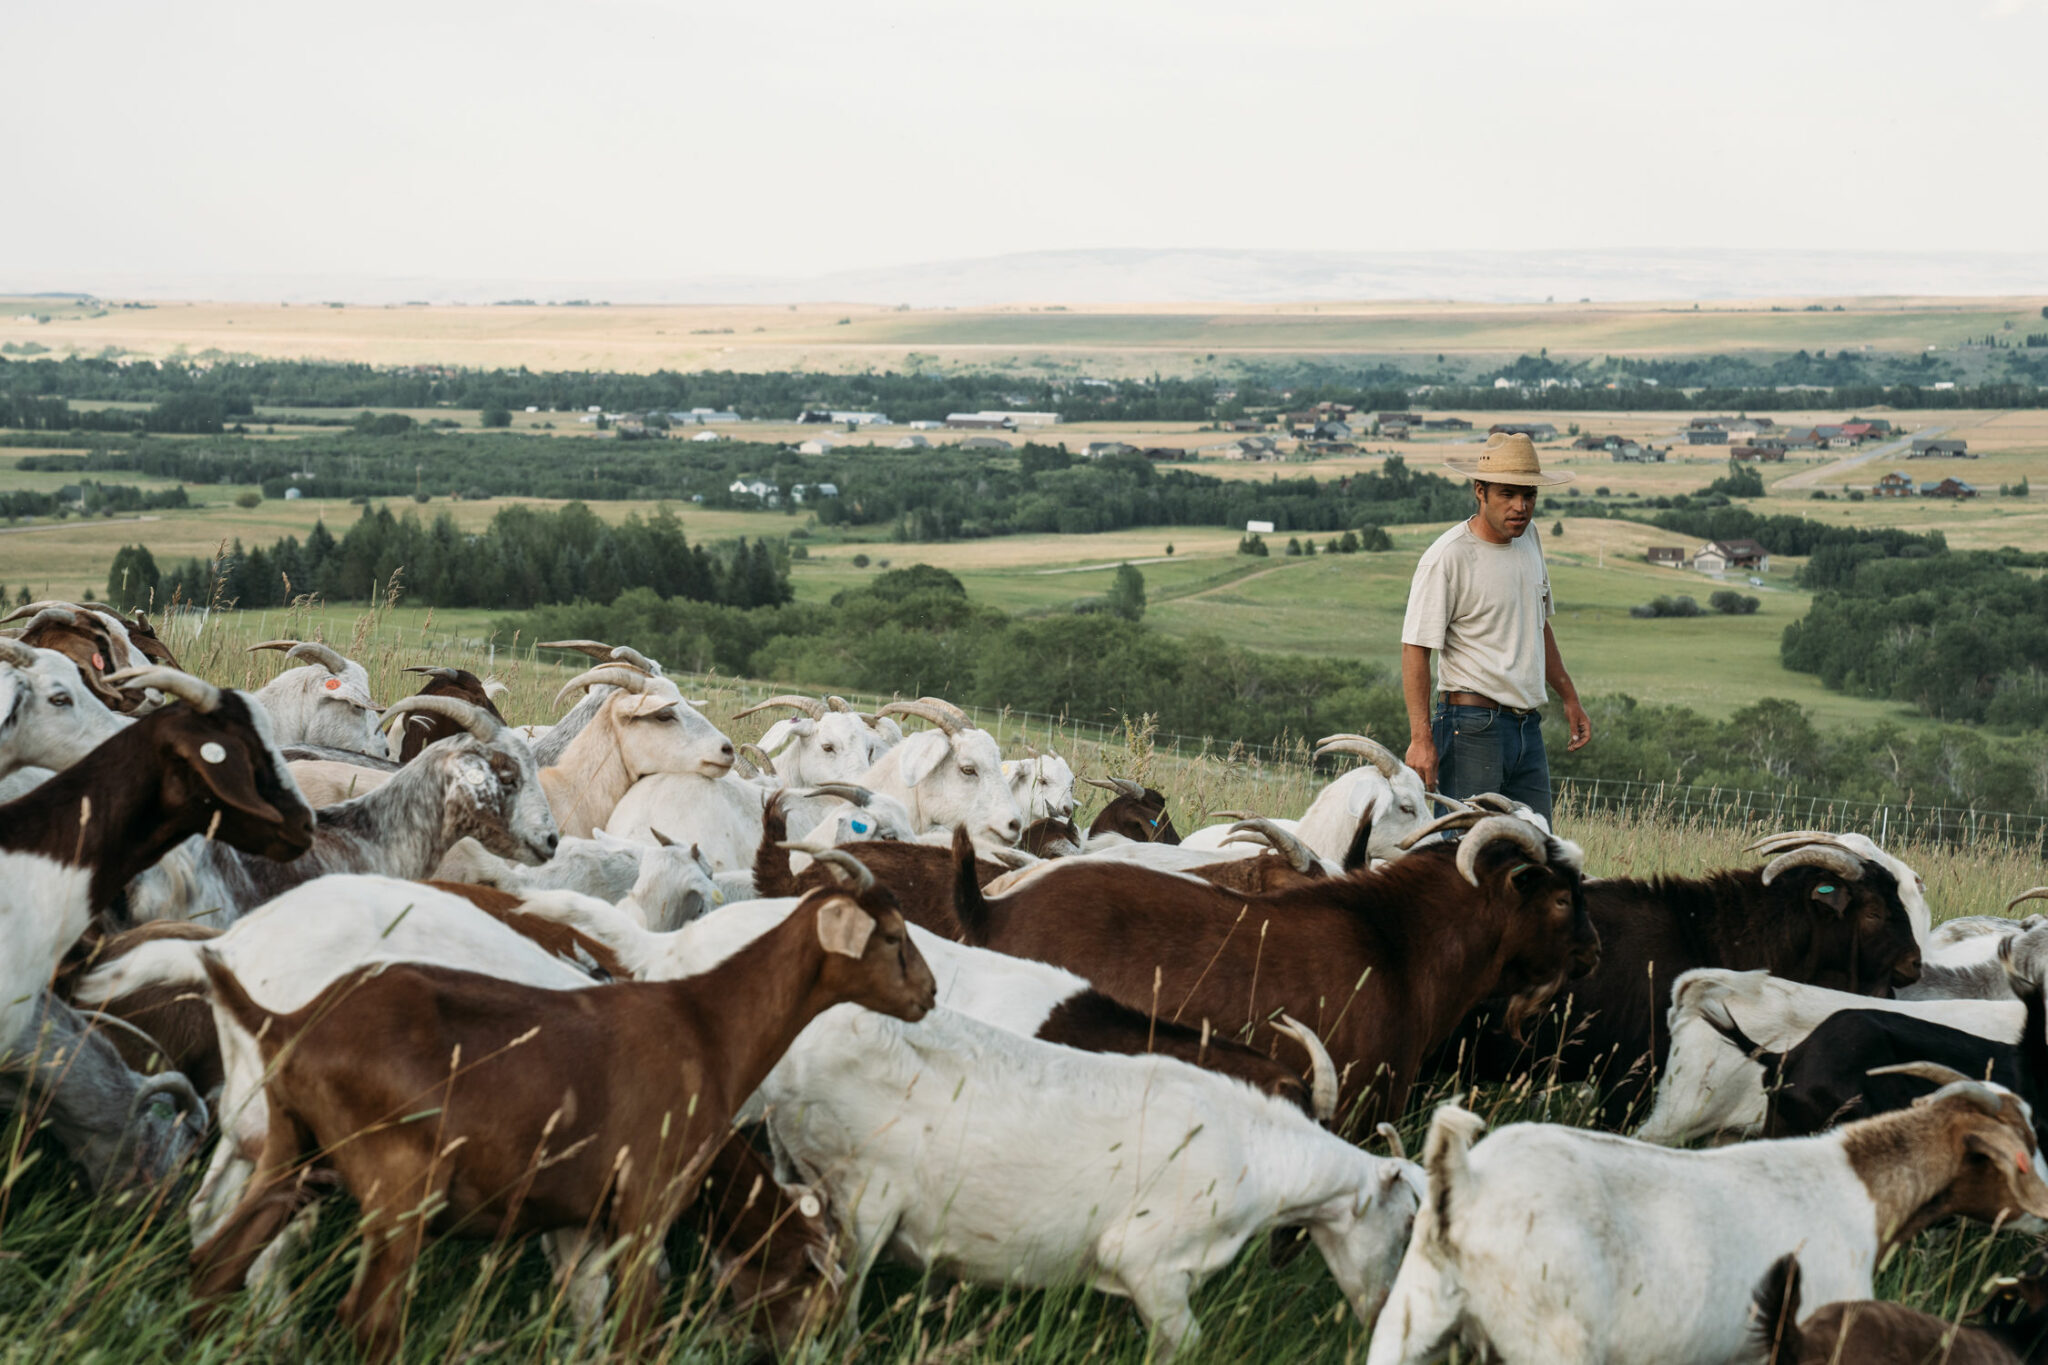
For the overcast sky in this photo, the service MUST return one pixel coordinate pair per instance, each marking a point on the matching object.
(603, 139)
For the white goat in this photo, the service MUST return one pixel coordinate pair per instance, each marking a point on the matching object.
(1043, 785)
(1554, 1244)
(1386, 791)
(480, 783)
(663, 886)
(641, 729)
(829, 742)
(49, 717)
(948, 776)
(326, 704)
(1710, 1086)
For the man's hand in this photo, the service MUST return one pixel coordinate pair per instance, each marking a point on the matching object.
(1421, 756)
(1582, 728)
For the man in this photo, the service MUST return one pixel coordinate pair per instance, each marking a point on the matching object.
(1481, 598)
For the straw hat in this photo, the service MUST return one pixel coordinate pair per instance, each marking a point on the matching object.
(1507, 457)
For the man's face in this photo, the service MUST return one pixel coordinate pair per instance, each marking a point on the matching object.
(1506, 508)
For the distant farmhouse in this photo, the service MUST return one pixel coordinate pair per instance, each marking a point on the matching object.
(1666, 556)
(1948, 488)
(1719, 556)
(1769, 450)
(1535, 431)
(1894, 485)
(1930, 448)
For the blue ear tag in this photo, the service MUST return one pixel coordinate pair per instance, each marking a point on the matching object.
(1154, 822)
(1824, 890)
(860, 826)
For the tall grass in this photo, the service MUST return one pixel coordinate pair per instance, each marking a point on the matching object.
(105, 1281)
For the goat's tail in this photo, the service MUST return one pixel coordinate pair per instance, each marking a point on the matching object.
(1774, 1310)
(231, 995)
(1452, 1131)
(970, 907)
(772, 876)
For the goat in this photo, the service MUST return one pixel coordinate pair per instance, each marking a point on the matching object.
(423, 728)
(124, 1131)
(328, 782)
(89, 642)
(1912, 886)
(664, 885)
(1043, 786)
(1844, 1068)
(919, 875)
(1271, 855)
(549, 740)
(828, 742)
(1383, 963)
(946, 776)
(1815, 913)
(1050, 838)
(134, 640)
(960, 1146)
(1961, 962)
(1709, 1086)
(1871, 1332)
(637, 732)
(482, 783)
(1386, 793)
(202, 768)
(49, 717)
(328, 704)
(1136, 812)
(1539, 1242)
(641, 1080)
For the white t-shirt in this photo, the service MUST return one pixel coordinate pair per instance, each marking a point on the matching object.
(1482, 606)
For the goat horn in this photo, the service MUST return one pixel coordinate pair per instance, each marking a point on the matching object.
(1261, 831)
(474, 719)
(873, 721)
(660, 839)
(845, 791)
(1457, 819)
(1784, 839)
(32, 609)
(14, 652)
(1235, 815)
(1496, 829)
(1371, 750)
(447, 675)
(201, 696)
(2038, 893)
(1492, 801)
(757, 756)
(849, 871)
(610, 675)
(180, 1090)
(1322, 1088)
(1453, 802)
(1012, 858)
(945, 705)
(838, 703)
(1393, 1137)
(810, 706)
(1122, 786)
(324, 655)
(57, 616)
(1952, 1082)
(595, 649)
(1825, 856)
(626, 654)
(923, 710)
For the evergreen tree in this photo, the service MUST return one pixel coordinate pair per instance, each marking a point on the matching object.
(1127, 593)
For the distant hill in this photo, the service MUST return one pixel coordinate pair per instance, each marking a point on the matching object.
(1199, 275)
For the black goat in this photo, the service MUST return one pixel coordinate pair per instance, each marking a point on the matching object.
(1138, 812)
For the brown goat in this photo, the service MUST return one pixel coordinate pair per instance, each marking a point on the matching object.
(919, 875)
(82, 637)
(1872, 1332)
(598, 1109)
(550, 935)
(423, 728)
(1136, 812)
(179, 1019)
(1382, 964)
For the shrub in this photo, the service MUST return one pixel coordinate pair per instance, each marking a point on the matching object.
(1293, 547)
(1730, 603)
(422, 496)
(1665, 606)
(860, 561)
(495, 417)
(249, 499)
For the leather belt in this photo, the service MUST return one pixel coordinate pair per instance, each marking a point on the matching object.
(1475, 699)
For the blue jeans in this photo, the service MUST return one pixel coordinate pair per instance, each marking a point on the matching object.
(1479, 749)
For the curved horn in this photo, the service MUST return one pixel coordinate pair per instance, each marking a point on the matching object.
(1451, 801)
(595, 649)
(1827, 856)
(838, 703)
(56, 616)
(1492, 801)
(1322, 1089)
(945, 705)
(1279, 840)
(757, 756)
(1122, 786)
(1496, 829)
(849, 871)
(1235, 815)
(610, 675)
(1457, 819)
(180, 1090)
(845, 791)
(1952, 1083)
(13, 651)
(2038, 893)
(202, 697)
(1371, 750)
(810, 706)
(1793, 838)
(1009, 857)
(923, 711)
(1393, 1137)
(632, 657)
(474, 719)
(32, 609)
(439, 674)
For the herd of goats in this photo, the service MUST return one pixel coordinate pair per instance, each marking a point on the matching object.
(856, 993)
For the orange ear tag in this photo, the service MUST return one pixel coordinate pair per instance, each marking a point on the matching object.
(333, 684)
(99, 663)
(2022, 1163)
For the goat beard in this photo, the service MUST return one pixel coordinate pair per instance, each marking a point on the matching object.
(1526, 1005)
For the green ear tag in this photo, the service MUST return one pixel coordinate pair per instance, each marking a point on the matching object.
(1825, 890)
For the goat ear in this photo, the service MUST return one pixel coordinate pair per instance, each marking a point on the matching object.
(225, 771)
(1832, 894)
(1362, 794)
(654, 708)
(785, 730)
(922, 753)
(844, 927)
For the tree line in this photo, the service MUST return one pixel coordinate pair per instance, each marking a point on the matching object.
(525, 557)
(92, 499)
